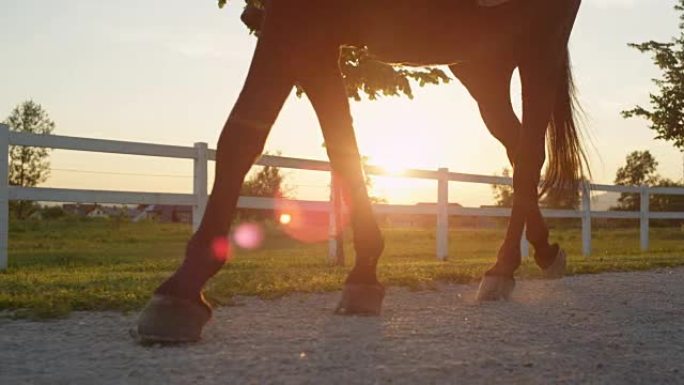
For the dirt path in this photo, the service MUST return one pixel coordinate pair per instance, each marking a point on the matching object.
(620, 328)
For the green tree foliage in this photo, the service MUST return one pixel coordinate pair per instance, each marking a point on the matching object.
(667, 202)
(53, 212)
(267, 183)
(639, 169)
(503, 194)
(565, 199)
(554, 198)
(369, 184)
(365, 75)
(29, 166)
(666, 111)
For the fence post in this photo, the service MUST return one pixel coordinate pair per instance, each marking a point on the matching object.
(524, 244)
(4, 195)
(443, 214)
(199, 185)
(644, 217)
(335, 225)
(586, 219)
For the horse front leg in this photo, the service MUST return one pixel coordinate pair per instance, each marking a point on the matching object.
(177, 312)
(323, 84)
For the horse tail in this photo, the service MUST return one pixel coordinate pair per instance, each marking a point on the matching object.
(567, 160)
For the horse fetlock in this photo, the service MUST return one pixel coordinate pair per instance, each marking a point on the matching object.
(361, 299)
(495, 288)
(557, 267)
(507, 262)
(168, 319)
(544, 253)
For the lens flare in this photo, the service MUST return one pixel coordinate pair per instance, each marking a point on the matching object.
(221, 249)
(249, 236)
(285, 219)
(307, 226)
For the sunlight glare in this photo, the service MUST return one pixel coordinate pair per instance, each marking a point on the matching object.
(221, 249)
(394, 169)
(285, 219)
(308, 226)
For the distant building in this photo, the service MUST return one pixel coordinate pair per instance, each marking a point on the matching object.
(160, 213)
(430, 220)
(164, 213)
(85, 210)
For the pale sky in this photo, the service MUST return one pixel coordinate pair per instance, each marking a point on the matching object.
(169, 72)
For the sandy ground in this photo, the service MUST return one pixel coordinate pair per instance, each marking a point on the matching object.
(619, 328)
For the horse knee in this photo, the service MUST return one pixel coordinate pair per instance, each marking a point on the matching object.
(530, 155)
(527, 175)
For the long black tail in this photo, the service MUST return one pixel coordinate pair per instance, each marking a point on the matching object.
(567, 160)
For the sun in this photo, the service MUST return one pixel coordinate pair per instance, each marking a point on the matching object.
(285, 219)
(392, 185)
(392, 164)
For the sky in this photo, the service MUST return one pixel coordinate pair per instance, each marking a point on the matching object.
(169, 72)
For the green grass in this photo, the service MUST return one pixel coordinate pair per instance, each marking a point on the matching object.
(60, 266)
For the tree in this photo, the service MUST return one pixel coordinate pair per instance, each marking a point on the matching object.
(503, 194)
(554, 199)
(29, 166)
(369, 184)
(639, 169)
(667, 202)
(363, 74)
(666, 112)
(561, 198)
(267, 183)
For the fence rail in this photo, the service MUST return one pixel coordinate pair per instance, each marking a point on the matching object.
(202, 155)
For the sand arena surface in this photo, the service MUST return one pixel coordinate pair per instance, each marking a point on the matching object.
(617, 328)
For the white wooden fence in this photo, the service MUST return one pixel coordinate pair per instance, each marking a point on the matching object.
(201, 155)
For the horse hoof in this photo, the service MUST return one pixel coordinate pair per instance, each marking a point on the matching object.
(167, 319)
(361, 299)
(557, 268)
(494, 288)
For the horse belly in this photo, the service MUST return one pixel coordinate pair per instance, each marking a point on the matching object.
(438, 32)
(415, 50)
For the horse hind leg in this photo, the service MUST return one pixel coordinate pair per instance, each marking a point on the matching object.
(541, 69)
(489, 84)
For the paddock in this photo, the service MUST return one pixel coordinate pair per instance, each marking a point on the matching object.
(201, 155)
(613, 328)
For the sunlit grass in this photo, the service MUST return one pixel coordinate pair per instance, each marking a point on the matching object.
(60, 266)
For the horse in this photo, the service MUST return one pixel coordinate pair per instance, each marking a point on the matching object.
(481, 41)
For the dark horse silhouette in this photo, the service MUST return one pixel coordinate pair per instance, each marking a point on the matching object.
(482, 41)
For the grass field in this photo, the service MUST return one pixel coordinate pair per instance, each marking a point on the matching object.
(60, 266)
